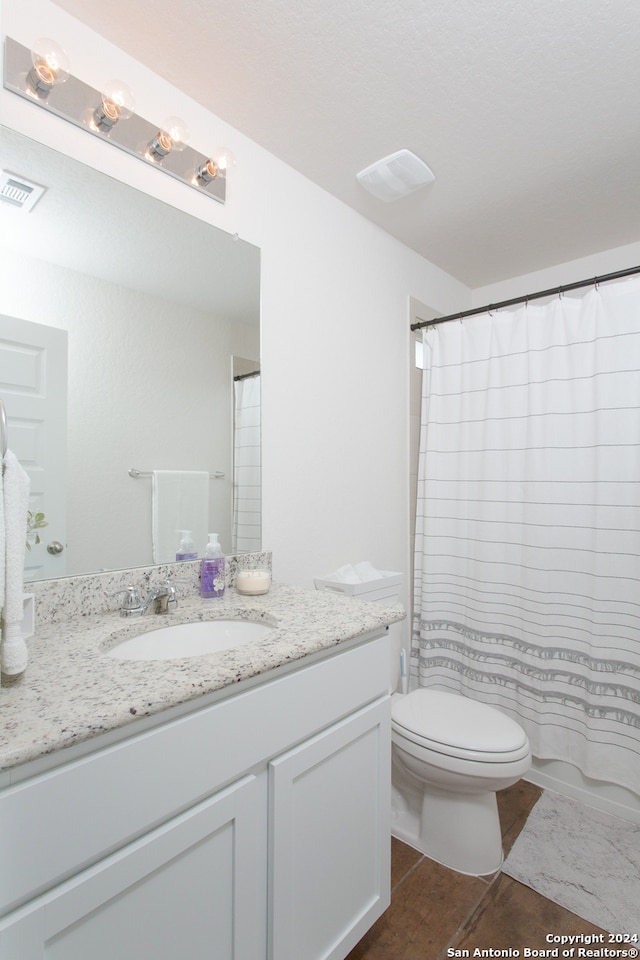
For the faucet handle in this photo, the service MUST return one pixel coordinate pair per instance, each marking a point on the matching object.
(132, 602)
(169, 585)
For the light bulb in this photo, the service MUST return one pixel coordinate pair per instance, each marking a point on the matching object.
(173, 136)
(50, 66)
(225, 159)
(222, 161)
(118, 103)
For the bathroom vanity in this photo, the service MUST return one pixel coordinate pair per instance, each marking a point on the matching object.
(249, 819)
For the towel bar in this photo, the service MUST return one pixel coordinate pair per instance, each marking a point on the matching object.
(147, 473)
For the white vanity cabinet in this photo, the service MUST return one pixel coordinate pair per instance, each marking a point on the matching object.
(329, 862)
(173, 893)
(255, 828)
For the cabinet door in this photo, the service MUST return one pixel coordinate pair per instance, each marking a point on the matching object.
(330, 838)
(187, 889)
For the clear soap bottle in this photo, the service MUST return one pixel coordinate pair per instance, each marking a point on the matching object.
(212, 569)
(186, 549)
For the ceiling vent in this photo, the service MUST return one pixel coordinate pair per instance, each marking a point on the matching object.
(396, 176)
(19, 192)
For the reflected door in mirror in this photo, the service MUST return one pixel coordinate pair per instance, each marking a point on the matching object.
(33, 381)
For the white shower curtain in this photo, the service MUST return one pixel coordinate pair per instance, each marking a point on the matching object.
(247, 495)
(527, 561)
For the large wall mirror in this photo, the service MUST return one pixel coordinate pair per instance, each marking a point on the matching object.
(125, 325)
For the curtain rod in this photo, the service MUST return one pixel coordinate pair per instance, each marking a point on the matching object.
(245, 376)
(554, 291)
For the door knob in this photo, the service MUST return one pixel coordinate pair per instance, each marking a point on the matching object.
(55, 547)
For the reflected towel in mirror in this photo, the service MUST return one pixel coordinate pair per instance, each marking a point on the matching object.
(180, 501)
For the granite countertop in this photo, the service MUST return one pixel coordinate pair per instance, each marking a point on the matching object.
(72, 692)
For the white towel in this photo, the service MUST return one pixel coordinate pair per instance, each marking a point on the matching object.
(180, 501)
(2, 539)
(366, 571)
(15, 496)
(359, 573)
(345, 574)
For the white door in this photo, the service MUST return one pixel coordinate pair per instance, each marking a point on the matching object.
(33, 385)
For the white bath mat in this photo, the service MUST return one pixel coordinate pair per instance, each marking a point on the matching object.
(582, 859)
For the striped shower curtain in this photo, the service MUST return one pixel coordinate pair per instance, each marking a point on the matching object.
(247, 483)
(527, 563)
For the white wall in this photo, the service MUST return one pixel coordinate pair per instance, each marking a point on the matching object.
(608, 261)
(335, 315)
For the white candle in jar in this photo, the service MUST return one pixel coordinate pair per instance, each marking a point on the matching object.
(253, 582)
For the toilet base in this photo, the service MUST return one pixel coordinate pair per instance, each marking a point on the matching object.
(459, 830)
(462, 831)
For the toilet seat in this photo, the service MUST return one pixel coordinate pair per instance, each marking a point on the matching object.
(456, 726)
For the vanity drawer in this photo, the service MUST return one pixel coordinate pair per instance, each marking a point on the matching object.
(57, 823)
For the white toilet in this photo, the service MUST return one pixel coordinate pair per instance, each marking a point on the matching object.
(450, 756)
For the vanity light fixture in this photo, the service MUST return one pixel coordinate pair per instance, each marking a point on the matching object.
(221, 162)
(117, 103)
(42, 76)
(50, 66)
(173, 136)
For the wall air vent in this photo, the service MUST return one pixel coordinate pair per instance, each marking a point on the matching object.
(19, 192)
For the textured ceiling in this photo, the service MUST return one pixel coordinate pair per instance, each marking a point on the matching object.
(525, 110)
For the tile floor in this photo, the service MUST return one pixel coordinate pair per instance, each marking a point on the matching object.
(435, 911)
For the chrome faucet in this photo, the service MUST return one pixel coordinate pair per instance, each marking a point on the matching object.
(164, 598)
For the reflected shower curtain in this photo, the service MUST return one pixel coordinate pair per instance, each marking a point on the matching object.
(527, 562)
(247, 496)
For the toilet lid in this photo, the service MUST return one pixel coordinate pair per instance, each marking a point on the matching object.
(455, 722)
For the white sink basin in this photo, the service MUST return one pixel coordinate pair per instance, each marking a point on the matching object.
(189, 640)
